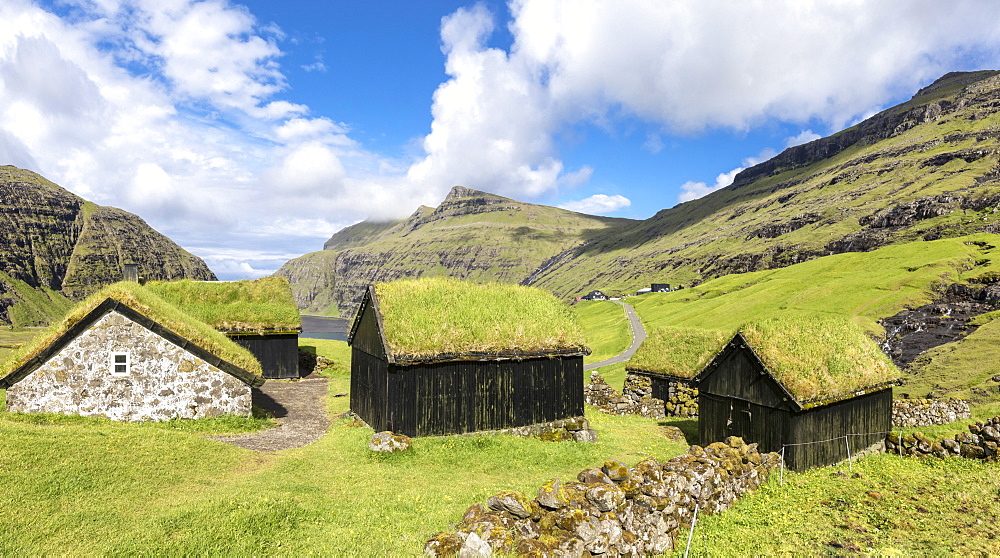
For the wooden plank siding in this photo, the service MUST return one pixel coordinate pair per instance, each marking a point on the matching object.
(738, 397)
(468, 396)
(868, 414)
(278, 354)
(369, 393)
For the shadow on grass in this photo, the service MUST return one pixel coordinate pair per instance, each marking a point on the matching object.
(688, 426)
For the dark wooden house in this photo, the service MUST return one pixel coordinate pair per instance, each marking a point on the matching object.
(260, 315)
(466, 381)
(818, 398)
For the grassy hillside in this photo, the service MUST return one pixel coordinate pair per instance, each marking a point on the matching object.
(471, 235)
(860, 286)
(926, 169)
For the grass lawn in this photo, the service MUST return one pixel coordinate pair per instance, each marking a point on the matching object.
(606, 328)
(96, 487)
(887, 505)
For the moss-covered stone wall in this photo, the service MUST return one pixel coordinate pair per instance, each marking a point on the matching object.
(612, 510)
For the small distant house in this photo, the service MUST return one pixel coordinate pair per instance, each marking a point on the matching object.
(442, 356)
(817, 390)
(660, 287)
(643, 291)
(259, 314)
(126, 355)
(594, 295)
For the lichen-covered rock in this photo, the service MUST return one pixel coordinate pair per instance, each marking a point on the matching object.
(626, 511)
(443, 544)
(512, 502)
(389, 442)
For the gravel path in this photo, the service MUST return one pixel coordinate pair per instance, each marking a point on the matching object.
(638, 336)
(300, 408)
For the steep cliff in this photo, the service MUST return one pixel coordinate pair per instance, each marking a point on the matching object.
(55, 244)
(926, 169)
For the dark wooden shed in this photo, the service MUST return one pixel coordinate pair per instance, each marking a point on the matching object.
(260, 315)
(817, 390)
(463, 382)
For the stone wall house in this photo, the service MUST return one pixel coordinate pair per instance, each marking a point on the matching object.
(115, 359)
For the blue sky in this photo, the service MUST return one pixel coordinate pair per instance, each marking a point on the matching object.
(250, 131)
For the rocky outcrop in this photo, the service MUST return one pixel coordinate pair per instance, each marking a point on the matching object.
(911, 332)
(612, 510)
(50, 238)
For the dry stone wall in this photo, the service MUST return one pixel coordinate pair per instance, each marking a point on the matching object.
(981, 442)
(907, 413)
(164, 380)
(613, 510)
(607, 399)
(681, 400)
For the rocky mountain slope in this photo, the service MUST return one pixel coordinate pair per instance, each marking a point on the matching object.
(472, 235)
(922, 170)
(54, 245)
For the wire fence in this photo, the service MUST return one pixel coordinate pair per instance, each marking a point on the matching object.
(847, 444)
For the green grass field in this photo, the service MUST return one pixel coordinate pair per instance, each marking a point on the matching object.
(606, 328)
(862, 287)
(83, 486)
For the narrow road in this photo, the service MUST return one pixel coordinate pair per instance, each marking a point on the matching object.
(638, 336)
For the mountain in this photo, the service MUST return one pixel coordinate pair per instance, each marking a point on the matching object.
(472, 235)
(56, 246)
(922, 170)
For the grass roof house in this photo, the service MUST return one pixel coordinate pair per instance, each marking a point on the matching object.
(126, 354)
(817, 388)
(443, 356)
(260, 315)
(668, 360)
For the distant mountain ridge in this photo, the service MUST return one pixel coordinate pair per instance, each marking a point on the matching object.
(925, 169)
(472, 234)
(55, 245)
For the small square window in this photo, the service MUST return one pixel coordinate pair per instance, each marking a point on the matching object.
(119, 364)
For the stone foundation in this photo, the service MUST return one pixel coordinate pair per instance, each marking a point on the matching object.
(907, 413)
(681, 399)
(574, 429)
(607, 400)
(613, 510)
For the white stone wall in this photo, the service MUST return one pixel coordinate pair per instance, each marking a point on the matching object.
(164, 380)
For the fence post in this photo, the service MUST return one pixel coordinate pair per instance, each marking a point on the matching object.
(850, 465)
(781, 471)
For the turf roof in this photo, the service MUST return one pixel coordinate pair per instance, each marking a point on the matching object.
(145, 302)
(678, 352)
(820, 359)
(442, 317)
(260, 305)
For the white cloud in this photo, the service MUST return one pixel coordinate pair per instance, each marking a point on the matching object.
(691, 190)
(805, 136)
(598, 204)
(686, 66)
(178, 109)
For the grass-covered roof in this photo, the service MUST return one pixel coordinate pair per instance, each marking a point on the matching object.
(147, 303)
(437, 317)
(679, 352)
(260, 305)
(819, 359)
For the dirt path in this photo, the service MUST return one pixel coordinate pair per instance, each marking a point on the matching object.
(638, 336)
(299, 407)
